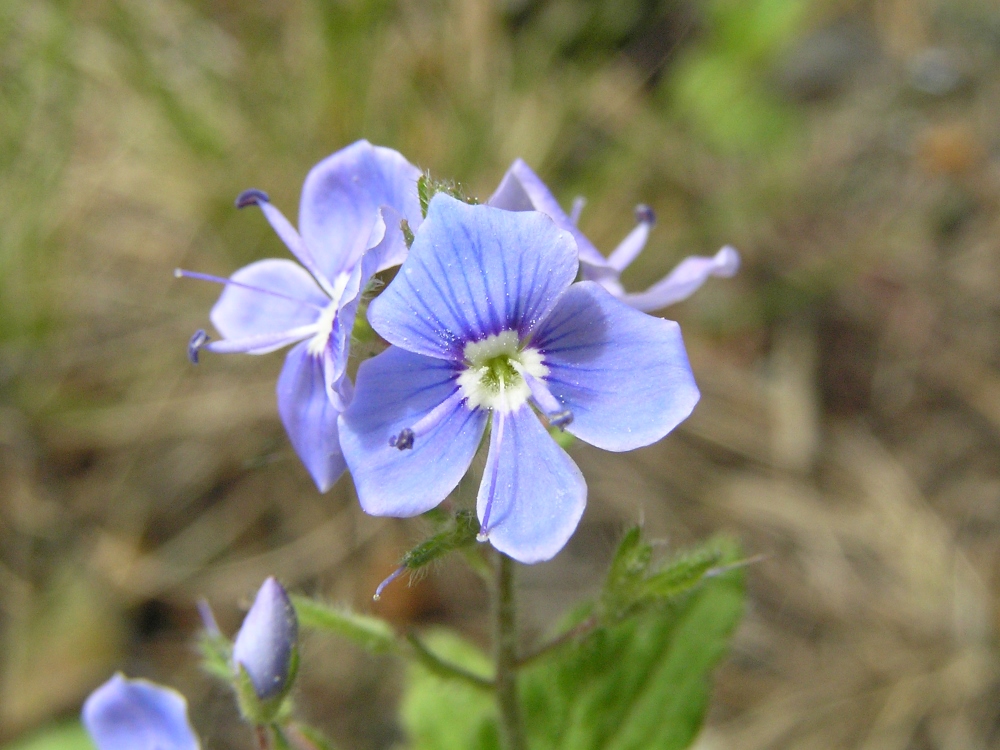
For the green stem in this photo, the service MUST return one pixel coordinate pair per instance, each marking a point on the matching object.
(505, 643)
(440, 667)
(572, 634)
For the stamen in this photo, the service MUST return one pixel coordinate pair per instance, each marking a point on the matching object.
(574, 214)
(549, 405)
(406, 437)
(182, 273)
(645, 215)
(392, 577)
(494, 455)
(404, 440)
(635, 241)
(251, 197)
(198, 340)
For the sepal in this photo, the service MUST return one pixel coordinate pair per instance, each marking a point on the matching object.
(274, 710)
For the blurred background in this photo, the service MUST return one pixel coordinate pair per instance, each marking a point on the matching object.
(850, 420)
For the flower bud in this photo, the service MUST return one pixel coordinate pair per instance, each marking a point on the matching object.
(125, 714)
(264, 652)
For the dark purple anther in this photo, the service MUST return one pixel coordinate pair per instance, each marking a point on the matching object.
(644, 214)
(251, 197)
(197, 341)
(561, 419)
(404, 440)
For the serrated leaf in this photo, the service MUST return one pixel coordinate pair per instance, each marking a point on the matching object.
(445, 714)
(371, 633)
(640, 684)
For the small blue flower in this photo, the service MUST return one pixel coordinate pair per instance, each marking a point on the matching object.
(126, 714)
(265, 644)
(522, 190)
(486, 325)
(349, 228)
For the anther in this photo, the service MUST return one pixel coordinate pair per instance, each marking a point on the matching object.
(404, 440)
(251, 197)
(197, 341)
(560, 419)
(644, 214)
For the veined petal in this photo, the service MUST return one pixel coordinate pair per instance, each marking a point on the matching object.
(309, 416)
(270, 297)
(522, 190)
(538, 493)
(623, 374)
(473, 271)
(341, 198)
(395, 391)
(685, 279)
(126, 714)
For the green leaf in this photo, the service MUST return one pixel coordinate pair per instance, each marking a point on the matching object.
(370, 633)
(439, 713)
(70, 736)
(640, 683)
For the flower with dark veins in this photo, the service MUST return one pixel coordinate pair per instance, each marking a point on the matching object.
(487, 327)
(124, 714)
(352, 205)
(522, 190)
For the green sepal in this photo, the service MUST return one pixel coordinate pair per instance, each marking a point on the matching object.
(428, 187)
(216, 655)
(408, 237)
(273, 710)
(371, 633)
(462, 534)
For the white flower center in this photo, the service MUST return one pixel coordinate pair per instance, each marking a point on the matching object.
(492, 377)
(324, 328)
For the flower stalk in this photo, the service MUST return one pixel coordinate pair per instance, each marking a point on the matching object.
(506, 643)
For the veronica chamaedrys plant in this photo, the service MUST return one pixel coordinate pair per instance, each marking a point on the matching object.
(352, 205)
(264, 652)
(124, 714)
(522, 190)
(486, 325)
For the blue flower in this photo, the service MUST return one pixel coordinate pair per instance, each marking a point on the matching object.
(486, 325)
(349, 228)
(126, 714)
(265, 644)
(522, 190)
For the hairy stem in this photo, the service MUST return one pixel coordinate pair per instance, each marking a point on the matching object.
(505, 643)
(434, 663)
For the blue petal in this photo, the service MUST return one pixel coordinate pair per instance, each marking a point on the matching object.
(263, 646)
(522, 190)
(685, 279)
(279, 297)
(309, 416)
(538, 492)
(395, 390)
(623, 374)
(473, 271)
(126, 714)
(339, 214)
